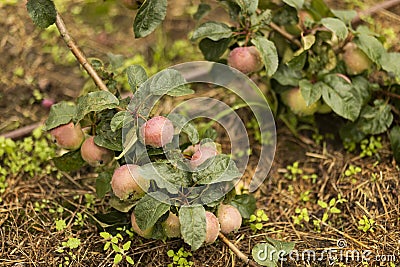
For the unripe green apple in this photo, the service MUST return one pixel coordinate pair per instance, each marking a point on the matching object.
(157, 132)
(147, 233)
(68, 136)
(297, 104)
(95, 155)
(172, 226)
(212, 228)
(355, 59)
(229, 218)
(245, 59)
(132, 4)
(126, 182)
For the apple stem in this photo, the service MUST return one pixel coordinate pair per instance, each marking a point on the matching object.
(285, 34)
(69, 41)
(236, 250)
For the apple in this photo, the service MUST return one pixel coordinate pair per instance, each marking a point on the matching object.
(126, 182)
(68, 136)
(147, 233)
(229, 218)
(297, 104)
(95, 155)
(245, 59)
(212, 228)
(355, 59)
(157, 131)
(172, 226)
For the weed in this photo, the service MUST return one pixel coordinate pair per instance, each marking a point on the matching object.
(119, 249)
(256, 220)
(180, 258)
(366, 224)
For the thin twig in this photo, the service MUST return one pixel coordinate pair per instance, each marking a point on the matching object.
(21, 132)
(285, 34)
(393, 95)
(78, 53)
(235, 250)
(374, 9)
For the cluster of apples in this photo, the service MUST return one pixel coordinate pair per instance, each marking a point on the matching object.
(127, 183)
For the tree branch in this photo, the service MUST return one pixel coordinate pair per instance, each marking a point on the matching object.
(374, 9)
(285, 34)
(78, 53)
(238, 253)
(21, 132)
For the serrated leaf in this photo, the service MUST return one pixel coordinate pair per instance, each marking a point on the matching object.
(268, 54)
(103, 185)
(310, 92)
(262, 254)
(248, 6)
(60, 113)
(182, 124)
(149, 16)
(246, 204)
(336, 26)
(377, 119)
(395, 142)
(94, 102)
(109, 139)
(149, 209)
(193, 225)
(287, 76)
(390, 63)
(121, 205)
(165, 176)
(202, 10)
(42, 12)
(297, 4)
(345, 15)
(371, 47)
(362, 88)
(338, 94)
(117, 122)
(169, 82)
(69, 162)
(136, 76)
(212, 30)
(213, 50)
(219, 169)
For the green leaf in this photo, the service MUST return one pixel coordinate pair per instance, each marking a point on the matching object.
(117, 122)
(202, 10)
(169, 82)
(105, 235)
(395, 142)
(297, 4)
(103, 185)
(193, 225)
(121, 205)
(95, 101)
(345, 15)
(287, 247)
(268, 53)
(297, 63)
(319, 9)
(109, 139)
(60, 113)
(73, 242)
(287, 76)
(117, 258)
(338, 94)
(213, 50)
(126, 246)
(362, 88)
(149, 209)
(262, 254)
(165, 176)
(136, 76)
(149, 16)
(42, 12)
(334, 210)
(336, 26)
(182, 124)
(219, 169)
(308, 41)
(246, 204)
(129, 260)
(248, 6)
(212, 30)
(377, 119)
(390, 63)
(311, 92)
(371, 47)
(69, 162)
(322, 204)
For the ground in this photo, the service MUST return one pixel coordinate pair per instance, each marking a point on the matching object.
(37, 64)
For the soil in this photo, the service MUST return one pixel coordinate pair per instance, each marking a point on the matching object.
(31, 65)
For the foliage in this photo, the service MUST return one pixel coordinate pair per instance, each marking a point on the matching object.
(257, 220)
(179, 258)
